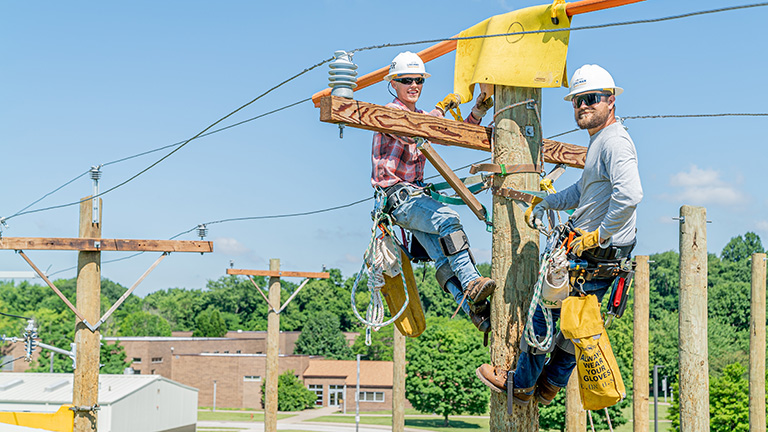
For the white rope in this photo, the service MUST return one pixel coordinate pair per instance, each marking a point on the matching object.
(373, 266)
(590, 420)
(608, 417)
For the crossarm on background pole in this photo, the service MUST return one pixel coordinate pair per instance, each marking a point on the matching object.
(53, 287)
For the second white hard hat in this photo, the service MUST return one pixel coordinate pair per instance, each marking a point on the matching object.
(406, 63)
(591, 77)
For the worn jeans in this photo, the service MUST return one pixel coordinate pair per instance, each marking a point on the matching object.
(429, 220)
(558, 368)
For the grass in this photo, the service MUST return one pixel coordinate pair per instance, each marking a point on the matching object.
(409, 411)
(254, 416)
(434, 423)
(664, 424)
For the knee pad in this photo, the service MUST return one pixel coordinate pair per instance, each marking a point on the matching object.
(444, 274)
(454, 242)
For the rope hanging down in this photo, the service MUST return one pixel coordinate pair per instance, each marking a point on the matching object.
(373, 266)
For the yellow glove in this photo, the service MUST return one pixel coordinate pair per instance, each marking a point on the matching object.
(449, 103)
(528, 213)
(585, 241)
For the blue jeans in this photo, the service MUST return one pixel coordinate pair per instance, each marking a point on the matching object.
(558, 368)
(429, 220)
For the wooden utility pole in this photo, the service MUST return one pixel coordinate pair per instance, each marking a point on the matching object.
(757, 346)
(693, 351)
(86, 377)
(640, 368)
(575, 414)
(515, 253)
(273, 344)
(273, 329)
(398, 382)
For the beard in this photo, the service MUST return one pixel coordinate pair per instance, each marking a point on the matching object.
(595, 119)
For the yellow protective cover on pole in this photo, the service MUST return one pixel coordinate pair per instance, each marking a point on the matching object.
(412, 322)
(600, 383)
(531, 60)
(62, 420)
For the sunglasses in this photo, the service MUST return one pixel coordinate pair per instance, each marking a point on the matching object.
(409, 81)
(588, 98)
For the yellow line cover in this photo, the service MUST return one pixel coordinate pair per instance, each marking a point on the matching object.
(532, 60)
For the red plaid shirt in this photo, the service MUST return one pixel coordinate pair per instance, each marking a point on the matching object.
(395, 158)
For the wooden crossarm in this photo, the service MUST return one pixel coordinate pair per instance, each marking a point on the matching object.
(101, 245)
(378, 118)
(279, 273)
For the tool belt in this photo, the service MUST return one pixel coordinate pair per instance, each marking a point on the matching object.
(398, 194)
(600, 263)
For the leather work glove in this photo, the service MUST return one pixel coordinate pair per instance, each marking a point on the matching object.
(585, 241)
(448, 103)
(535, 213)
(482, 105)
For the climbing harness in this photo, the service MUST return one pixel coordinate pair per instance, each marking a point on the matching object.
(373, 267)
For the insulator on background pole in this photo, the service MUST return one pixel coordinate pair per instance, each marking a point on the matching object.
(30, 334)
(95, 176)
(202, 231)
(343, 75)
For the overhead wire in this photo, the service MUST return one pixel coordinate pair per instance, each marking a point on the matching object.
(372, 47)
(11, 361)
(14, 316)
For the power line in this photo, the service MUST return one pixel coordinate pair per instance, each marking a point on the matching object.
(202, 133)
(14, 316)
(659, 116)
(568, 29)
(11, 361)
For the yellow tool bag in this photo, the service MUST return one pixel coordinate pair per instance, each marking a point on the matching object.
(412, 322)
(600, 383)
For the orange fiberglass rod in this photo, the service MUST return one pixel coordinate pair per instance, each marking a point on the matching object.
(444, 47)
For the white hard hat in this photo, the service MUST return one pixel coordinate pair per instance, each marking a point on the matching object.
(406, 63)
(591, 77)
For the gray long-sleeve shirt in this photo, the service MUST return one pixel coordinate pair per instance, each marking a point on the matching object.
(609, 190)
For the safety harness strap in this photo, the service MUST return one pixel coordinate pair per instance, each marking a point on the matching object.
(505, 169)
(525, 196)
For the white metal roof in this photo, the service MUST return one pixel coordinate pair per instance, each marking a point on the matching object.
(57, 388)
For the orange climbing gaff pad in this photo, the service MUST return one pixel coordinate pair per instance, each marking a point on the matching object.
(412, 322)
(600, 383)
(531, 60)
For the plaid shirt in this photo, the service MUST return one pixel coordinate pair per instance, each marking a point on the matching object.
(395, 158)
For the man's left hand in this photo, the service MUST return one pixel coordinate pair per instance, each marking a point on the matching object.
(585, 241)
(482, 105)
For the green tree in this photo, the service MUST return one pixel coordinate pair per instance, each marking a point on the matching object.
(740, 248)
(291, 393)
(210, 324)
(142, 323)
(113, 359)
(441, 369)
(729, 400)
(381, 348)
(321, 336)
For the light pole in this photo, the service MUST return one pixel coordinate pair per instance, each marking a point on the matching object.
(656, 397)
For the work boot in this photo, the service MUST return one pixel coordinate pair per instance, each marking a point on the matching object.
(496, 379)
(545, 392)
(480, 315)
(479, 289)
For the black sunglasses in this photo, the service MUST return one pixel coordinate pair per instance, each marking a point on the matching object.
(588, 98)
(409, 81)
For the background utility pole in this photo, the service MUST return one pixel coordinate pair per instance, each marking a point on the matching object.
(86, 377)
(575, 414)
(693, 351)
(398, 382)
(273, 341)
(515, 247)
(757, 346)
(640, 345)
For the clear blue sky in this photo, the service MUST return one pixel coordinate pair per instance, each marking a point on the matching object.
(84, 83)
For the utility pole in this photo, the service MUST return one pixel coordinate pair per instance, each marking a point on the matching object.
(273, 344)
(273, 328)
(357, 395)
(575, 414)
(86, 377)
(398, 382)
(757, 346)
(693, 351)
(640, 345)
(515, 250)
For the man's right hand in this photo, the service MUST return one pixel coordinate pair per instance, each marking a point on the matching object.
(448, 103)
(534, 216)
